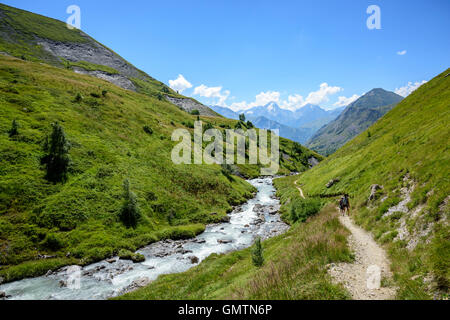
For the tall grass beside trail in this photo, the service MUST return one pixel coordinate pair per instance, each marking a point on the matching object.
(407, 149)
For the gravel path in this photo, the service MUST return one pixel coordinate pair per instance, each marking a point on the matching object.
(367, 254)
(369, 259)
(300, 190)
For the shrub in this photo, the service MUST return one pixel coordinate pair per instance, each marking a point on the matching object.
(95, 95)
(78, 98)
(104, 93)
(128, 255)
(148, 130)
(257, 254)
(195, 112)
(302, 209)
(130, 213)
(14, 131)
(227, 170)
(52, 242)
(56, 160)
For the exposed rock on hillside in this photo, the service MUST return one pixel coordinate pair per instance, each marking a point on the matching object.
(189, 105)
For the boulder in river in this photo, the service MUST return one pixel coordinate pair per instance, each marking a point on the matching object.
(194, 259)
(224, 241)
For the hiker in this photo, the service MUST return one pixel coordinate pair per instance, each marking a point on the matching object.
(346, 204)
(341, 205)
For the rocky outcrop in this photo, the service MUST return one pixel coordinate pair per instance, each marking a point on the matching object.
(332, 183)
(373, 191)
(189, 105)
(117, 79)
(92, 52)
(312, 161)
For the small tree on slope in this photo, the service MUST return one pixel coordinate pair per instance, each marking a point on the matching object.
(57, 158)
(257, 254)
(129, 214)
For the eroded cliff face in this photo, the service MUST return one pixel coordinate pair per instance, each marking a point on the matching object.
(189, 105)
(41, 39)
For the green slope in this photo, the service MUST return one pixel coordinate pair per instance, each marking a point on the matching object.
(408, 147)
(356, 118)
(411, 139)
(37, 38)
(77, 222)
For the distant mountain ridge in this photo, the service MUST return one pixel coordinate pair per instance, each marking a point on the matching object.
(356, 118)
(298, 125)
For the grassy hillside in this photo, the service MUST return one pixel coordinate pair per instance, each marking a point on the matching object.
(407, 151)
(77, 222)
(356, 118)
(36, 38)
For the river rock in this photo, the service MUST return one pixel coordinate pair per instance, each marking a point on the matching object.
(2, 295)
(183, 251)
(112, 260)
(225, 219)
(194, 259)
(224, 241)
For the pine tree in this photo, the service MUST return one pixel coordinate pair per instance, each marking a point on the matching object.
(57, 159)
(130, 213)
(14, 131)
(257, 254)
(242, 117)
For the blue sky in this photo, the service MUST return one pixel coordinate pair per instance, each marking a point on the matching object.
(244, 53)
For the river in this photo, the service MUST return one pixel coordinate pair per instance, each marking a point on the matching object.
(257, 217)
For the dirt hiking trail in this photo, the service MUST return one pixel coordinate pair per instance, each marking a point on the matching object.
(353, 276)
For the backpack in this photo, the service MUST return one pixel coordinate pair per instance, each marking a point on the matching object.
(341, 203)
(345, 201)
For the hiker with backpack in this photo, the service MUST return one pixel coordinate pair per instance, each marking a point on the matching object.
(341, 205)
(346, 204)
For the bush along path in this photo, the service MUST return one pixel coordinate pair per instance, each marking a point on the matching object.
(368, 276)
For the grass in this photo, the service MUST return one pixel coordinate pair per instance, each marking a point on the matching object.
(294, 268)
(78, 221)
(412, 140)
(89, 66)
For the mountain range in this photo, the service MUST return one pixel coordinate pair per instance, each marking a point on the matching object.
(356, 118)
(298, 125)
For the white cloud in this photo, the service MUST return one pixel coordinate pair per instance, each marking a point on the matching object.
(293, 102)
(344, 101)
(401, 53)
(212, 92)
(322, 95)
(409, 88)
(180, 84)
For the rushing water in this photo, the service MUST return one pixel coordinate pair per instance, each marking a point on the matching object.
(109, 278)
